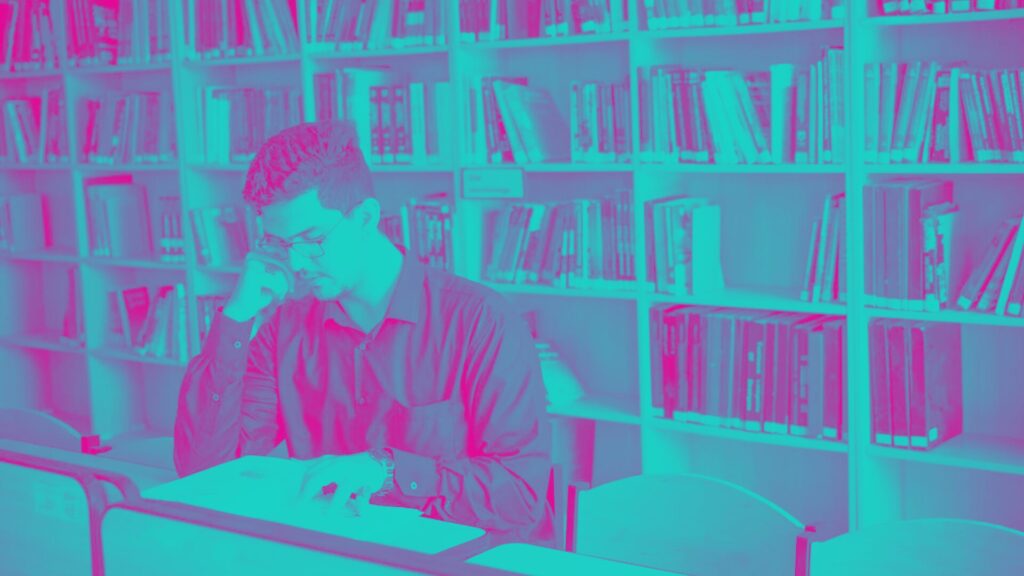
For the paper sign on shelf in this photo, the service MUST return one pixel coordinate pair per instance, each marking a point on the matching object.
(492, 183)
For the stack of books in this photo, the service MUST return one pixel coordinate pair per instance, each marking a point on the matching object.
(489, 20)
(825, 280)
(785, 115)
(908, 244)
(930, 112)
(684, 245)
(234, 122)
(28, 41)
(423, 228)
(754, 370)
(217, 29)
(22, 223)
(113, 32)
(33, 129)
(601, 123)
(119, 225)
(397, 121)
(586, 243)
(916, 388)
(375, 24)
(133, 127)
(664, 14)
(150, 321)
(511, 122)
(894, 7)
(170, 243)
(223, 234)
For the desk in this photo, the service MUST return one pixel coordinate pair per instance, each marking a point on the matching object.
(539, 561)
(264, 488)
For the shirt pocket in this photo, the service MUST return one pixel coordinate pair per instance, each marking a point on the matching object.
(436, 429)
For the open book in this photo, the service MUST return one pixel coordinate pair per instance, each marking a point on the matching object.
(267, 488)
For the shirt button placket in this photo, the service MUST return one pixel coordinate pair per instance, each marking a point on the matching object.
(360, 351)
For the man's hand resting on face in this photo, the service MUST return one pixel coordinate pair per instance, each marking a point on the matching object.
(352, 477)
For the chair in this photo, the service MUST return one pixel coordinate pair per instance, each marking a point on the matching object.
(932, 547)
(691, 524)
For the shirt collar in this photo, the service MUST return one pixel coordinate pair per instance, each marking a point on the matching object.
(406, 299)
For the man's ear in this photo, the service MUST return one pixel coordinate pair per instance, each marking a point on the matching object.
(367, 213)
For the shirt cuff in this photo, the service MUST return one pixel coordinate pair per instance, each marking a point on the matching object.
(229, 341)
(416, 475)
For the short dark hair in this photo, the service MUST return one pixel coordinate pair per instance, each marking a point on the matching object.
(322, 155)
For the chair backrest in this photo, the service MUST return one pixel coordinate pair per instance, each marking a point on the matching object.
(51, 505)
(695, 525)
(932, 547)
(35, 427)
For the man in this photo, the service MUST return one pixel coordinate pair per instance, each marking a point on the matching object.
(400, 384)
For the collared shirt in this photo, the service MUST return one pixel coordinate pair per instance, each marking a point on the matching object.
(449, 381)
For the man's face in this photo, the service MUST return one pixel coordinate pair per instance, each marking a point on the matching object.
(336, 265)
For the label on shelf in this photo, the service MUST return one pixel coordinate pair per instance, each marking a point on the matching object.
(492, 183)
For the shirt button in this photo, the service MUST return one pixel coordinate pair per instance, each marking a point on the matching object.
(361, 400)
(362, 346)
(238, 344)
(413, 485)
(216, 397)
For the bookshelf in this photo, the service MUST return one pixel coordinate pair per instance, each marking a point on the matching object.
(603, 332)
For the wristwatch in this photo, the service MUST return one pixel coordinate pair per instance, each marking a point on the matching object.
(385, 458)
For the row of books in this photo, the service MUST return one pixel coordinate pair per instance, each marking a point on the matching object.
(150, 321)
(489, 20)
(121, 224)
(238, 28)
(22, 219)
(236, 121)
(73, 323)
(113, 32)
(512, 122)
(373, 24)
(908, 254)
(916, 387)
(423, 228)
(665, 14)
(132, 127)
(895, 7)
(397, 122)
(929, 112)
(601, 123)
(996, 283)
(223, 235)
(825, 279)
(584, 243)
(760, 371)
(27, 38)
(33, 129)
(684, 245)
(786, 115)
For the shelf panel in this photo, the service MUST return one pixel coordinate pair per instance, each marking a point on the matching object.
(7, 75)
(743, 168)
(119, 167)
(35, 166)
(954, 169)
(744, 30)
(409, 168)
(114, 354)
(756, 299)
(975, 452)
(48, 342)
(142, 264)
(105, 69)
(626, 292)
(560, 167)
(951, 316)
(321, 52)
(245, 61)
(554, 42)
(747, 436)
(954, 18)
(42, 256)
(597, 408)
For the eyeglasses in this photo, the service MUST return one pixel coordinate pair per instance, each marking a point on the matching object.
(306, 248)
